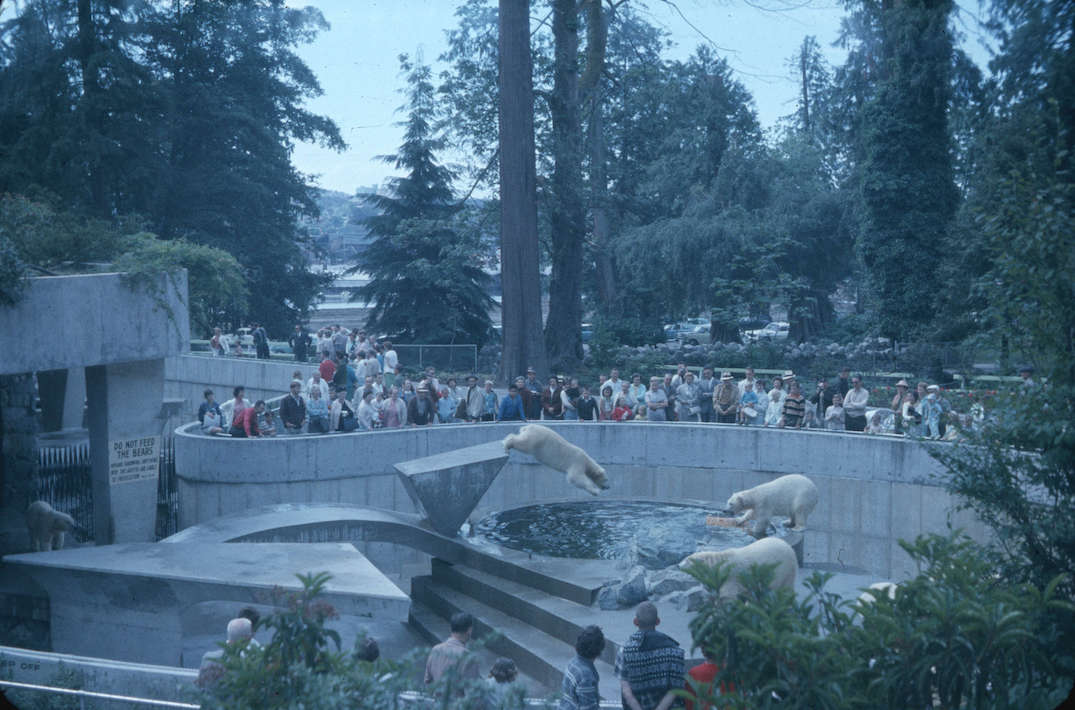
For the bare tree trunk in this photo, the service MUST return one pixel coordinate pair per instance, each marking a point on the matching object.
(591, 88)
(563, 334)
(87, 45)
(522, 344)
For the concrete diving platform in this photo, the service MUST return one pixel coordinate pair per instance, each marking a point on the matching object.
(126, 602)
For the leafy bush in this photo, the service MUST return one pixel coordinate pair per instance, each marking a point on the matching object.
(955, 636)
(12, 272)
(304, 667)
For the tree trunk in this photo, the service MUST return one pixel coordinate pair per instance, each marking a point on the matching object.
(87, 43)
(522, 344)
(591, 88)
(563, 335)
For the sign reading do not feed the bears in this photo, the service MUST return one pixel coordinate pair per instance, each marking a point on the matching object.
(131, 460)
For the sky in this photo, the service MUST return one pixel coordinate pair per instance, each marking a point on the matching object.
(356, 63)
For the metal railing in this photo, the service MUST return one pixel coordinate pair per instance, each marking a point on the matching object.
(407, 696)
(82, 695)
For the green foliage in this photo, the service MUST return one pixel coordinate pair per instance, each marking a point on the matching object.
(906, 178)
(184, 114)
(1017, 473)
(214, 277)
(303, 667)
(956, 635)
(12, 272)
(427, 284)
(46, 234)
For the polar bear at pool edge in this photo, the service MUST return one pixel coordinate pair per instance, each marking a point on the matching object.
(554, 451)
(793, 495)
(766, 551)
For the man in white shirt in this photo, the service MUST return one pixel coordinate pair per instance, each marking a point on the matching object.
(391, 359)
(855, 405)
(750, 378)
(614, 380)
(319, 383)
(373, 367)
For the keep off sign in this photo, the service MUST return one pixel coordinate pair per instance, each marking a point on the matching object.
(131, 460)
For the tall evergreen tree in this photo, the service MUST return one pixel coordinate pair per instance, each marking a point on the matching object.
(906, 178)
(426, 284)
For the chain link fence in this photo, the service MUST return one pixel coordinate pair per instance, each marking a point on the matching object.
(445, 358)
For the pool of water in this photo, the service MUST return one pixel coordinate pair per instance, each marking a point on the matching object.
(653, 534)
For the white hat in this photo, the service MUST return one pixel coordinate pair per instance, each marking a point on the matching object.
(725, 375)
(788, 375)
(933, 388)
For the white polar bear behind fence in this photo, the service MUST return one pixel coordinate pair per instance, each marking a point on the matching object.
(793, 495)
(554, 451)
(766, 551)
(47, 526)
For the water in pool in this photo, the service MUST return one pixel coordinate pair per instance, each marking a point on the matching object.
(654, 534)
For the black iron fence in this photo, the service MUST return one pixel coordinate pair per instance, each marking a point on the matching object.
(64, 481)
(167, 491)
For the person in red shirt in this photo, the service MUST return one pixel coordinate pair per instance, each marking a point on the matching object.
(327, 369)
(702, 677)
(622, 412)
(245, 423)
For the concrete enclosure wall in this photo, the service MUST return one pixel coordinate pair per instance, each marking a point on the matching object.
(95, 319)
(187, 376)
(874, 490)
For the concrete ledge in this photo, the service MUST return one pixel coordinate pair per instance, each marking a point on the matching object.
(577, 580)
(127, 601)
(99, 674)
(110, 322)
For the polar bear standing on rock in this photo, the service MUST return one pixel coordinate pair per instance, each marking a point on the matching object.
(794, 496)
(554, 451)
(766, 551)
(47, 526)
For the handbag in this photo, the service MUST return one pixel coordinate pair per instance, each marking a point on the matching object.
(750, 412)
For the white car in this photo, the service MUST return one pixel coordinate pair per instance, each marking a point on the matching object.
(698, 335)
(777, 330)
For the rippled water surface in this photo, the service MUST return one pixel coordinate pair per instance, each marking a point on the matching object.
(611, 530)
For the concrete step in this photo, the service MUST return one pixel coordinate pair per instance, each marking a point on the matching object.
(539, 655)
(558, 617)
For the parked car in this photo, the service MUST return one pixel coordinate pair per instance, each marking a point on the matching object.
(698, 335)
(675, 331)
(777, 330)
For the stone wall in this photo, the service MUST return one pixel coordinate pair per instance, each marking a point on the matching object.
(874, 490)
(18, 429)
(186, 377)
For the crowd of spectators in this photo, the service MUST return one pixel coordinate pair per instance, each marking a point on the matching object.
(359, 385)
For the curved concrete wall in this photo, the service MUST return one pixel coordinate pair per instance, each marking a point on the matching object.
(874, 490)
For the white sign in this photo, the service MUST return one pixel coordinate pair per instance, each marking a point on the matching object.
(131, 460)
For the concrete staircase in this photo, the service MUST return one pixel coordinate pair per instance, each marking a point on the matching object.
(533, 625)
